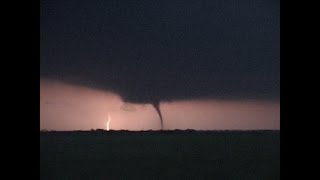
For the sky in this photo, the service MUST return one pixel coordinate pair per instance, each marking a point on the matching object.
(210, 64)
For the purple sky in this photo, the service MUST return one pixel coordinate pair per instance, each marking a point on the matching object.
(69, 107)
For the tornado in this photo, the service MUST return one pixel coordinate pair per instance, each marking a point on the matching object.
(156, 106)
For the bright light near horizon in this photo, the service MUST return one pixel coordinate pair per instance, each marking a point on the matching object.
(72, 107)
(108, 122)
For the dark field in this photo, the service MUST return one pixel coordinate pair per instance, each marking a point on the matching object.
(160, 155)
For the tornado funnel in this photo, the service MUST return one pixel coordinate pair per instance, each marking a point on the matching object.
(156, 106)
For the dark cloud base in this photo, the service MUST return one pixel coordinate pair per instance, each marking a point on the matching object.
(152, 51)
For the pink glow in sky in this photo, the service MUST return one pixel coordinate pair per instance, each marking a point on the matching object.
(69, 107)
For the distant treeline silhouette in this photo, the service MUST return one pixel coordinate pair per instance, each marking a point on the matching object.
(175, 131)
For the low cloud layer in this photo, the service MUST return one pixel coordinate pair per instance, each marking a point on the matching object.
(149, 51)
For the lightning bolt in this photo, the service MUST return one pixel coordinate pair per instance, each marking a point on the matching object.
(108, 122)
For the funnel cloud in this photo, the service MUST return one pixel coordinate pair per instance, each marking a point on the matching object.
(156, 106)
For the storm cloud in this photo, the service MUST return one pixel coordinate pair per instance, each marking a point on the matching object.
(154, 51)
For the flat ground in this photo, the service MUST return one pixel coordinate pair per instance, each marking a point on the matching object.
(160, 155)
